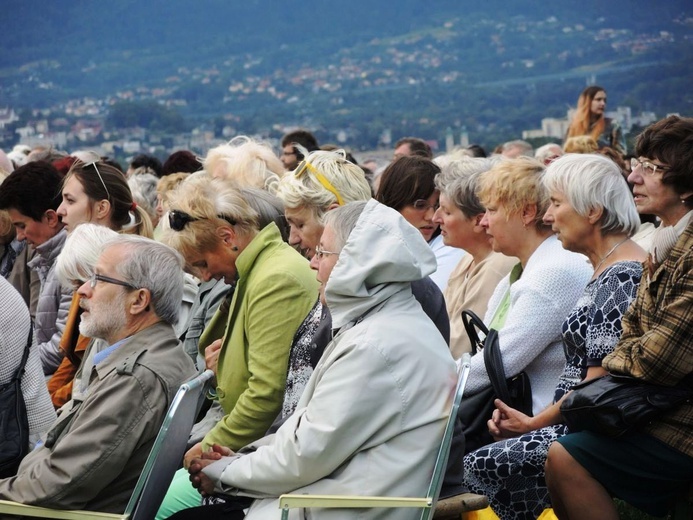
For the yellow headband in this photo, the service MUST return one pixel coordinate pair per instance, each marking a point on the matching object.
(305, 165)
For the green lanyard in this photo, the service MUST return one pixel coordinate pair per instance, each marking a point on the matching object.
(502, 312)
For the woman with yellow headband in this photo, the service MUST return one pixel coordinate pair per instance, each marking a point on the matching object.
(323, 181)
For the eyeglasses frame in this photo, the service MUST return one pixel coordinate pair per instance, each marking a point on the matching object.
(107, 279)
(635, 163)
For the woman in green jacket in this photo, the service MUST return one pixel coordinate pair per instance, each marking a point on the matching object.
(247, 342)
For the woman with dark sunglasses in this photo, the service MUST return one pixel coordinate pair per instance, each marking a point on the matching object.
(248, 341)
(408, 185)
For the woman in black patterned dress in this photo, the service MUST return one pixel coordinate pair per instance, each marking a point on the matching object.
(593, 213)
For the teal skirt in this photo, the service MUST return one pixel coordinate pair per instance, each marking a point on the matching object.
(636, 468)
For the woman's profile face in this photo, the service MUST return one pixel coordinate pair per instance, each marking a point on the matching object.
(420, 215)
(598, 105)
(505, 229)
(572, 229)
(456, 229)
(76, 206)
(651, 195)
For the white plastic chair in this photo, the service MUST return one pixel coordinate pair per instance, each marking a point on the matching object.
(426, 503)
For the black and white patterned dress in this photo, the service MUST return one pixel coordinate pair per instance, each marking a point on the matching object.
(511, 472)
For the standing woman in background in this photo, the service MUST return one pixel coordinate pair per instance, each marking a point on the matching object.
(589, 120)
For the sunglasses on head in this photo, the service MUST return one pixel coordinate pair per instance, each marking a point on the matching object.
(179, 219)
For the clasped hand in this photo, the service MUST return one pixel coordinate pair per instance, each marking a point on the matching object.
(507, 422)
(200, 481)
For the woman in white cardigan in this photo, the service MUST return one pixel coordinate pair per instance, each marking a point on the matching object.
(529, 305)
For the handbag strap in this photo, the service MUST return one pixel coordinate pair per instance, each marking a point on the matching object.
(494, 366)
(472, 322)
(20, 370)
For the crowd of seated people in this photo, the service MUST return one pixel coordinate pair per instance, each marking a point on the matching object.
(330, 311)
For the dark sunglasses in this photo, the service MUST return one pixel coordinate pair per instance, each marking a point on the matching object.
(179, 219)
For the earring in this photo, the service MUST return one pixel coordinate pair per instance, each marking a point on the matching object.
(234, 248)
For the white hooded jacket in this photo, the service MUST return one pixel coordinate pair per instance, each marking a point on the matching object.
(371, 418)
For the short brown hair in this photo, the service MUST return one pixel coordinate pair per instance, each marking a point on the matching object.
(405, 180)
(670, 141)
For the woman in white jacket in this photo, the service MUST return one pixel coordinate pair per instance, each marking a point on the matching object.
(372, 415)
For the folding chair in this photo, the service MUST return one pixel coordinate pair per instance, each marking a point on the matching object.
(162, 462)
(427, 503)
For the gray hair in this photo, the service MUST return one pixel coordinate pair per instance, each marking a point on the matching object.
(143, 188)
(591, 181)
(548, 151)
(81, 251)
(154, 266)
(269, 208)
(458, 181)
(525, 148)
(343, 220)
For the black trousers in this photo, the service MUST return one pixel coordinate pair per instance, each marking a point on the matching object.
(218, 511)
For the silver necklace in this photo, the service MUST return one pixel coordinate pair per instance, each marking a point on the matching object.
(609, 253)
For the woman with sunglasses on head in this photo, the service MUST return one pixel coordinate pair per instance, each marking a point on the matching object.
(589, 120)
(585, 470)
(248, 340)
(98, 193)
(408, 186)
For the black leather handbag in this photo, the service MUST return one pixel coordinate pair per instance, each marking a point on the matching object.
(477, 409)
(615, 403)
(14, 423)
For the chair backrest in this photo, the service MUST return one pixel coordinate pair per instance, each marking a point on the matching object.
(168, 449)
(444, 451)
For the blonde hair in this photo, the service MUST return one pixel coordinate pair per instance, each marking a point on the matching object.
(306, 190)
(213, 203)
(516, 184)
(580, 144)
(245, 161)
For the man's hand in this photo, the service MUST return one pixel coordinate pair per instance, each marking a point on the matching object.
(212, 355)
(507, 422)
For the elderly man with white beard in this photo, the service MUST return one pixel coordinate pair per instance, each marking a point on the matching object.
(96, 450)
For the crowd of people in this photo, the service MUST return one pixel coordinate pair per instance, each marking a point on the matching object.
(327, 298)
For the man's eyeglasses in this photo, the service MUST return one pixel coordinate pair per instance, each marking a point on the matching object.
(305, 166)
(423, 205)
(647, 167)
(320, 253)
(179, 219)
(107, 279)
